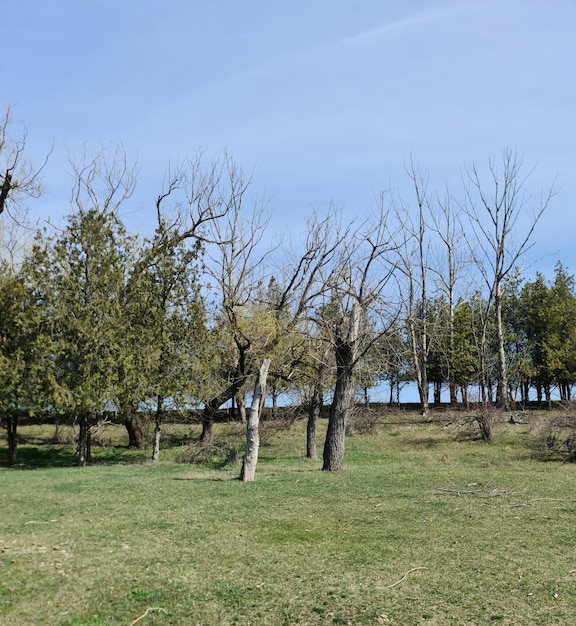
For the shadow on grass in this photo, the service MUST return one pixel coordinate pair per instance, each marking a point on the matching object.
(46, 456)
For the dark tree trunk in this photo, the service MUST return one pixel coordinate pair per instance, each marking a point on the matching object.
(12, 433)
(453, 396)
(437, 392)
(83, 441)
(213, 405)
(208, 416)
(133, 425)
(345, 350)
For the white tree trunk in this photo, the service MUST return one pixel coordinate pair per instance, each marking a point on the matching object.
(248, 472)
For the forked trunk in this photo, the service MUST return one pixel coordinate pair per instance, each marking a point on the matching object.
(248, 472)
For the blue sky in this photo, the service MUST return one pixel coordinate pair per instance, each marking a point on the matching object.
(325, 99)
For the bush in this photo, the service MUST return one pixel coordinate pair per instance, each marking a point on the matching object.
(215, 455)
(556, 434)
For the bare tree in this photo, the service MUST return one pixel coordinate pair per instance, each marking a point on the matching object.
(239, 267)
(236, 266)
(18, 178)
(497, 240)
(448, 270)
(357, 283)
(412, 266)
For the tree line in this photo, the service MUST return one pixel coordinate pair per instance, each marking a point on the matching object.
(426, 290)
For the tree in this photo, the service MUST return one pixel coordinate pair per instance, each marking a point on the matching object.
(79, 276)
(447, 271)
(238, 269)
(18, 178)
(548, 325)
(25, 363)
(174, 331)
(248, 472)
(235, 267)
(494, 209)
(464, 353)
(357, 284)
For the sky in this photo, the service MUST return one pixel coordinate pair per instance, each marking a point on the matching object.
(325, 101)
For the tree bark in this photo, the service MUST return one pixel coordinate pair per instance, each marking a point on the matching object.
(158, 417)
(502, 397)
(241, 404)
(12, 431)
(248, 472)
(135, 431)
(345, 350)
(314, 411)
(83, 441)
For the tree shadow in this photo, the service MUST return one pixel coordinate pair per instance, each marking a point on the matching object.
(49, 456)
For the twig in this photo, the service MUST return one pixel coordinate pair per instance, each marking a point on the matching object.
(404, 577)
(459, 492)
(150, 608)
(511, 506)
(488, 492)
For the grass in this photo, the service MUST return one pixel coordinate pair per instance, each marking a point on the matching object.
(426, 525)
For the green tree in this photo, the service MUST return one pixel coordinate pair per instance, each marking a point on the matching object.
(25, 356)
(466, 340)
(173, 334)
(549, 313)
(80, 275)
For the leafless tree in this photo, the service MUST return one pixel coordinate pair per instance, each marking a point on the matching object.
(412, 269)
(19, 180)
(450, 263)
(498, 239)
(358, 284)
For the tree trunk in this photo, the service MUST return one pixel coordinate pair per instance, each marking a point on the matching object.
(313, 414)
(12, 432)
(437, 392)
(241, 404)
(208, 415)
(502, 397)
(345, 348)
(135, 431)
(211, 408)
(248, 472)
(158, 417)
(83, 441)
(274, 394)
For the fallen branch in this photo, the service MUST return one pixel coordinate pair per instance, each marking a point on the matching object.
(488, 492)
(511, 506)
(404, 577)
(150, 608)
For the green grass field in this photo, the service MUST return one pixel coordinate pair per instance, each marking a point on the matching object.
(426, 525)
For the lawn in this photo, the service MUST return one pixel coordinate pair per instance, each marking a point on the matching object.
(425, 525)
